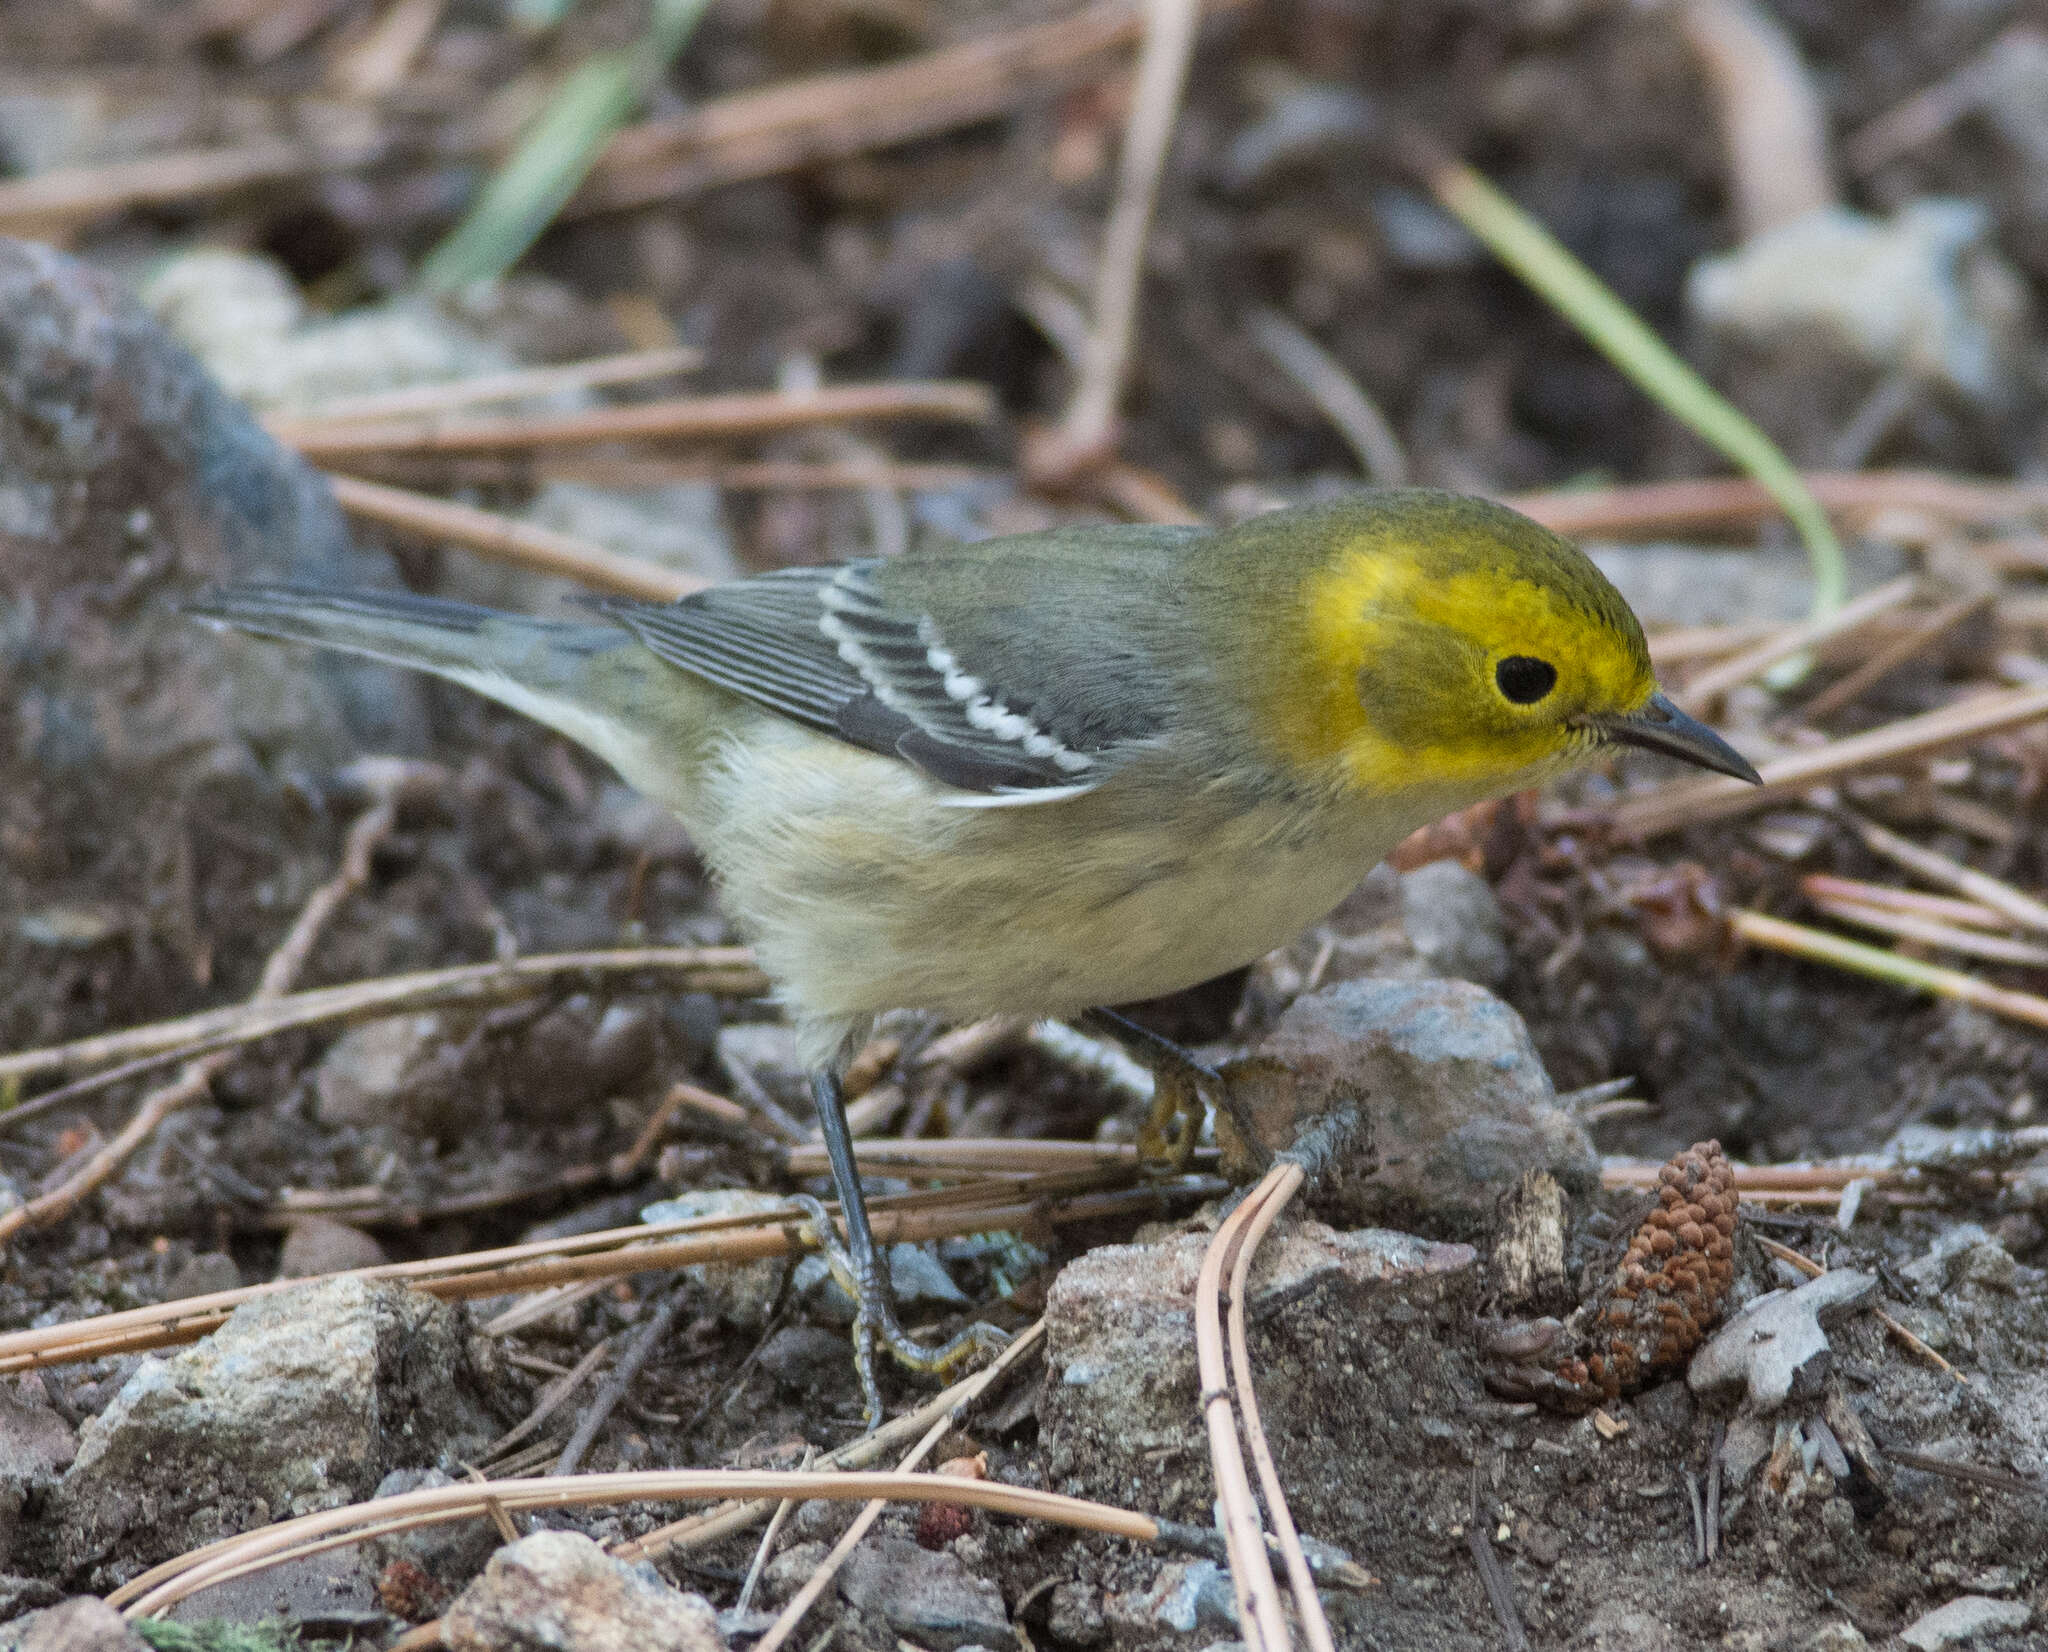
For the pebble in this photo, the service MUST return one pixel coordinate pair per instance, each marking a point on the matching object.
(1963, 1619)
(559, 1592)
(1075, 1616)
(929, 1598)
(742, 1294)
(1459, 1104)
(81, 1624)
(302, 1399)
(36, 1445)
(1455, 922)
(1775, 1348)
(1923, 291)
(317, 1245)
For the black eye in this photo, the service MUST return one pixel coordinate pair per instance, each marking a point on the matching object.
(1525, 679)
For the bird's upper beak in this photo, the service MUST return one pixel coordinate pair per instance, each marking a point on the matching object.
(1661, 726)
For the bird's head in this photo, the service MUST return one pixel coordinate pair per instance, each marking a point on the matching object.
(1447, 644)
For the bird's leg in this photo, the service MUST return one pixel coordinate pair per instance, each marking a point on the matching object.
(1179, 1078)
(859, 1268)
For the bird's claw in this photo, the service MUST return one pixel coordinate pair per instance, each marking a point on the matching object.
(874, 1319)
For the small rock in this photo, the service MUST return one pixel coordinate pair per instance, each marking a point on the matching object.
(1076, 1616)
(203, 1274)
(806, 1358)
(1841, 1636)
(302, 1400)
(406, 1067)
(81, 1624)
(679, 525)
(560, 1592)
(1332, 1311)
(36, 1445)
(1965, 1254)
(316, 1245)
(450, 1553)
(1459, 1104)
(637, 825)
(743, 1294)
(1454, 919)
(1775, 1347)
(1186, 1595)
(931, 1599)
(1925, 291)
(790, 1569)
(1963, 1619)
(578, 1054)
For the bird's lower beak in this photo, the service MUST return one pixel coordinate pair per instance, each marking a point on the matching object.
(1661, 726)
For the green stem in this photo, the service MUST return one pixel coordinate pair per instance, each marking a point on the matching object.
(1579, 295)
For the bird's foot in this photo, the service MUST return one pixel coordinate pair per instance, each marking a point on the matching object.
(1182, 1086)
(874, 1317)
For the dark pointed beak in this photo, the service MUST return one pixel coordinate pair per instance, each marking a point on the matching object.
(1661, 726)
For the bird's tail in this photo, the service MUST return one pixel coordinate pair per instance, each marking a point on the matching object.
(584, 681)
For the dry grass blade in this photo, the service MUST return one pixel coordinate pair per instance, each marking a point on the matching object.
(820, 1580)
(1087, 433)
(1946, 873)
(1278, 1189)
(949, 1405)
(1336, 394)
(726, 970)
(617, 1253)
(1261, 1620)
(157, 1590)
(446, 395)
(829, 117)
(1851, 687)
(1823, 886)
(1703, 691)
(981, 1155)
(1772, 120)
(54, 202)
(506, 539)
(1691, 803)
(1712, 504)
(1818, 946)
(1907, 926)
(678, 418)
(1704, 642)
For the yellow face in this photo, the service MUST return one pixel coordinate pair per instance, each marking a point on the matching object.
(1469, 662)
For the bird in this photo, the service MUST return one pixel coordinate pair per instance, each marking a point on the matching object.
(1049, 773)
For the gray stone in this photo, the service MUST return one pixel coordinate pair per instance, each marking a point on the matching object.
(404, 1068)
(1459, 1105)
(1075, 1616)
(807, 1358)
(1332, 1315)
(317, 1245)
(36, 1445)
(303, 1400)
(1963, 1619)
(451, 1552)
(205, 1273)
(577, 1055)
(931, 1599)
(743, 1294)
(81, 1624)
(1185, 1596)
(1924, 291)
(1963, 1254)
(1455, 922)
(1775, 1350)
(791, 1569)
(560, 1592)
(764, 1053)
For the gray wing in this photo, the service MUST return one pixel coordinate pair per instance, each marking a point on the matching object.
(945, 660)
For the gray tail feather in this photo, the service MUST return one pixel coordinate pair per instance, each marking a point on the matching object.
(425, 633)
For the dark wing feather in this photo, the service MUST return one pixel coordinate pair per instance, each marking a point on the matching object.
(866, 651)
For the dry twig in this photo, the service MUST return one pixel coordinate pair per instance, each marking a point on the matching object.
(506, 539)
(1701, 692)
